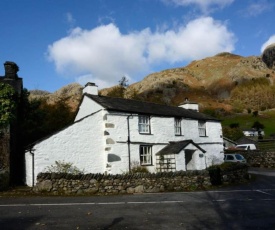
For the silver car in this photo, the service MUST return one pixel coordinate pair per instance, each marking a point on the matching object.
(230, 157)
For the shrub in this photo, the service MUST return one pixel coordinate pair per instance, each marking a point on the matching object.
(137, 168)
(64, 167)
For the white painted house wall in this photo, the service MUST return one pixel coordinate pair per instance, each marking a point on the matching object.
(79, 143)
(93, 139)
(162, 132)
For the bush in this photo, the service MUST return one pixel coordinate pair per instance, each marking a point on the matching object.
(64, 167)
(215, 175)
(137, 168)
(216, 171)
(4, 180)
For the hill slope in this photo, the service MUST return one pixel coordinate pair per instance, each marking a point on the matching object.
(209, 82)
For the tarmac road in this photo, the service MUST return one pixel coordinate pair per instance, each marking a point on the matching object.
(249, 206)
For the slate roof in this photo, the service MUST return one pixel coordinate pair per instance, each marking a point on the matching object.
(246, 140)
(147, 108)
(176, 147)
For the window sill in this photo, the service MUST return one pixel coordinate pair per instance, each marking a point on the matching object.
(203, 136)
(145, 133)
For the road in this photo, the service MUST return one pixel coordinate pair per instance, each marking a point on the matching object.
(249, 206)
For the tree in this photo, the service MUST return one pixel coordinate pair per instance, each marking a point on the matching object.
(259, 127)
(234, 125)
(232, 133)
(123, 82)
(42, 119)
(7, 104)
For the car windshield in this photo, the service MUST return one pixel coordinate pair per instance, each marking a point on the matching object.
(239, 157)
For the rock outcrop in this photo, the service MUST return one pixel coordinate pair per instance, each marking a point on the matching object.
(268, 56)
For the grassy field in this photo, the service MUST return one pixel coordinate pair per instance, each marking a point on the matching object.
(246, 121)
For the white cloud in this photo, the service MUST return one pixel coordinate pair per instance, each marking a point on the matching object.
(270, 41)
(205, 6)
(70, 19)
(257, 8)
(105, 53)
(89, 78)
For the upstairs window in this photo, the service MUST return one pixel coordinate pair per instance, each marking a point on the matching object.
(202, 129)
(177, 126)
(144, 124)
(145, 153)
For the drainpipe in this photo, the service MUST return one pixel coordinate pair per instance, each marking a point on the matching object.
(129, 140)
(32, 153)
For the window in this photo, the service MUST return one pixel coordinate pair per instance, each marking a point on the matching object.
(202, 128)
(144, 124)
(177, 126)
(145, 153)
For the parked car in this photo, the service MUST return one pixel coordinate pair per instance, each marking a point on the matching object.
(231, 157)
(246, 147)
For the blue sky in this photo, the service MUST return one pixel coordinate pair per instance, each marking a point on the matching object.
(57, 42)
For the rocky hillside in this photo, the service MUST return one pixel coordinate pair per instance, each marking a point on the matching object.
(71, 93)
(209, 82)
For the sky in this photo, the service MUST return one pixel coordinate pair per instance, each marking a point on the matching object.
(58, 42)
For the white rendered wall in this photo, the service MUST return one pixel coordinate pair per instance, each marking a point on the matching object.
(162, 132)
(213, 143)
(86, 108)
(80, 144)
(180, 161)
(28, 166)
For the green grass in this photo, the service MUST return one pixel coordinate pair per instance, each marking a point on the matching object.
(246, 121)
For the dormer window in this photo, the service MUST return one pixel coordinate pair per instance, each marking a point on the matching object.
(144, 124)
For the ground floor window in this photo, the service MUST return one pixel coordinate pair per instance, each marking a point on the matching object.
(145, 153)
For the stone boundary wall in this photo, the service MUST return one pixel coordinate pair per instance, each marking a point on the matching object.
(257, 158)
(100, 184)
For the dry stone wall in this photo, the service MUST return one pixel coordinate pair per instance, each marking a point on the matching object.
(261, 159)
(100, 184)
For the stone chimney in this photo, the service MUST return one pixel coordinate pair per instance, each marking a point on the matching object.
(90, 88)
(189, 105)
(11, 70)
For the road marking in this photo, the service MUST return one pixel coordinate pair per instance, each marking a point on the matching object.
(125, 203)
(264, 191)
(260, 191)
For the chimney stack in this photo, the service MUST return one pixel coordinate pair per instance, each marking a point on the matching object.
(189, 105)
(90, 88)
(11, 70)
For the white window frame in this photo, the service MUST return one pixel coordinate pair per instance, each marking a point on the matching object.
(144, 124)
(177, 123)
(202, 128)
(145, 154)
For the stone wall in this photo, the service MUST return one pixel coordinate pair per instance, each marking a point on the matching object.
(100, 184)
(261, 159)
(257, 158)
(236, 176)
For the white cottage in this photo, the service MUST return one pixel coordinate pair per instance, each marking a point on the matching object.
(110, 135)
